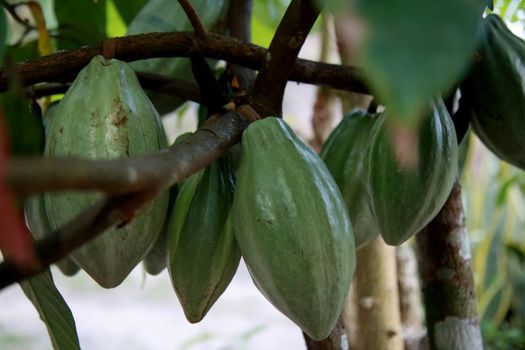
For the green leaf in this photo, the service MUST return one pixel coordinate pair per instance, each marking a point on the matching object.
(3, 31)
(115, 26)
(81, 22)
(414, 49)
(53, 311)
(265, 19)
(17, 54)
(24, 127)
(128, 9)
(334, 6)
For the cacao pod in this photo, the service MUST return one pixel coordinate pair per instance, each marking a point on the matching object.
(155, 260)
(105, 114)
(495, 91)
(344, 154)
(292, 227)
(38, 224)
(202, 252)
(402, 199)
(35, 211)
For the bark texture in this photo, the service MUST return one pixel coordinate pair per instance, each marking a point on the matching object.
(64, 65)
(444, 260)
(410, 297)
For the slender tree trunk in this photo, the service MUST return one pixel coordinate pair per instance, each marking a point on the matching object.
(410, 297)
(446, 275)
(376, 297)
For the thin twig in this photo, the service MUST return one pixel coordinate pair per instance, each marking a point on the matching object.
(11, 9)
(185, 89)
(179, 162)
(54, 67)
(194, 18)
(269, 86)
(239, 25)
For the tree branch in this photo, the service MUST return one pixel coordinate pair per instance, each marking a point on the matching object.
(63, 66)
(193, 16)
(278, 62)
(240, 24)
(185, 89)
(11, 9)
(173, 165)
(35, 175)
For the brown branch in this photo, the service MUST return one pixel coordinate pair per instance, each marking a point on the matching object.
(193, 16)
(54, 67)
(240, 24)
(278, 62)
(35, 175)
(185, 89)
(179, 162)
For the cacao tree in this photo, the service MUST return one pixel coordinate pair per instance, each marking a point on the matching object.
(86, 160)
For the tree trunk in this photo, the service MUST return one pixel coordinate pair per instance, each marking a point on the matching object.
(376, 297)
(444, 260)
(410, 297)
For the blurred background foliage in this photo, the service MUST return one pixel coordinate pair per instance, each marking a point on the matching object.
(494, 199)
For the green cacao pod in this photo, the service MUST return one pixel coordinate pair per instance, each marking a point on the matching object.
(344, 153)
(292, 227)
(156, 259)
(203, 255)
(105, 114)
(38, 224)
(35, 211)
(495, 91)
(404, 200)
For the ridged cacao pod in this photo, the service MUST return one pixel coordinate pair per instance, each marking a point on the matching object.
(156, 259)
(203, 255)
(105, 114)
(35, 211)
(38, 224)
(344, 153)
(402, 199)
(495, 91)
(292, 227)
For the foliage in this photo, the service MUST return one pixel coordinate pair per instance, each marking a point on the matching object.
(495, 201)
(53, 311)
(511, 10)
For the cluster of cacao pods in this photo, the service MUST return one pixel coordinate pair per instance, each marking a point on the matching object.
(282, 210)
(291, 214)
(383, 196)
